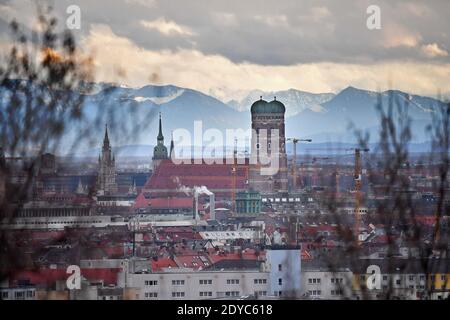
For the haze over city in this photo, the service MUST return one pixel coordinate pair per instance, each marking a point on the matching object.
(225, 157)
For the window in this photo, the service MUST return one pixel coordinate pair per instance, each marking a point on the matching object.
(177, 282)
(177, 294)
(443, 277)
(336, 292)
(411, 278)
(151, 282)
(205, 281)
(280, 268)
(280, 281)
(333, 280)
(385, 278)
(398, 282)
(260, 293)
(205, 293)
(260, 281)
(232, 293)
(151, 294)
(232, 281)
(30, 294)
(5, 295)
(309, 280)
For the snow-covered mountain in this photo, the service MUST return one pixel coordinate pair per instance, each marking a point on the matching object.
(322, 117)
(295, 101)
(360, 109)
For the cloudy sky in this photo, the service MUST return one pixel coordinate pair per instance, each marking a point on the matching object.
(226, 47)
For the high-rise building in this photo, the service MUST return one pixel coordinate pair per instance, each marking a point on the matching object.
(268, 141)
(106, 180)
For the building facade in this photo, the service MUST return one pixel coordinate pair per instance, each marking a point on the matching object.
(248, 202)
(106, 180)
(160, 150)
(284, 267)
(198, 285)
(268, 172)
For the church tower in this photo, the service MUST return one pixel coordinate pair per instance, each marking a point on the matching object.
(106, 180)
(160, 150)
(267, 120)
(172, 147)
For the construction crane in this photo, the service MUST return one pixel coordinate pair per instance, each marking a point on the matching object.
(315, 178)
(294, 159)
(358, 186)
(357, 178)
(233, 177)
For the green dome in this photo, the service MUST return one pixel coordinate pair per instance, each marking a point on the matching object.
(262, 106)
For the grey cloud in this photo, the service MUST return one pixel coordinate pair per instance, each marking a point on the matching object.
(312, 31)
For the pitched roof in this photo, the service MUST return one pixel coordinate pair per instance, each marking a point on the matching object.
(171, 202)
(169, 175)
(141, 201)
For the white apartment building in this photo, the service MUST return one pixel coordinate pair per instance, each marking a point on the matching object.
(278, 276)
(322, 284)
(185, 283)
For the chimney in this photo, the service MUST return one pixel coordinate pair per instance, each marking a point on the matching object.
(212, 207)
(196, 217)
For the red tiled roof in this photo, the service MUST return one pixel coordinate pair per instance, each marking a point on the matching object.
(246, 255)
(306, 255)
(108, 275)
(141, 201)
(171, 202)
(169, 175)
(192, 261)
(163, 263)
(48, 277)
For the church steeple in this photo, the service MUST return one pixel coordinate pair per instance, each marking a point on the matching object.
(160, 150)
(160, 135)
(106, 180)
(106, 138)
(172, 146)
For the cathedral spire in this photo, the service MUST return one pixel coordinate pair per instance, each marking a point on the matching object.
(106, 179)
(106, 139)
(160, 135)
(160, 150)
